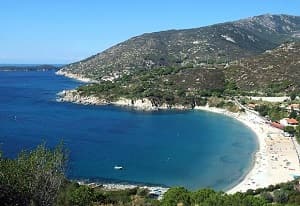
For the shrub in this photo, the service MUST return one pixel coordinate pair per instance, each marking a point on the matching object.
(175, 196)
(39, 174)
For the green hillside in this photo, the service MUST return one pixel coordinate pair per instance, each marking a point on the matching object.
(190, 47)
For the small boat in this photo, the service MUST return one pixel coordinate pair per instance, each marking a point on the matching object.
(118, 167)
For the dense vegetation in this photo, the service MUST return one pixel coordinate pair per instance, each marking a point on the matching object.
(249, 56)
(37, 178)
(272, 111)
(281, 194)
(274, 73)
(33, 178)
(72, 194)
(184, 86)
(297, 133)
(277, 111)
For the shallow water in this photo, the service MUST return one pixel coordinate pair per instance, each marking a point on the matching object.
(192, 149)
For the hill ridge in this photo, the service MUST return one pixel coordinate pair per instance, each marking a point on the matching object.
(219, 43)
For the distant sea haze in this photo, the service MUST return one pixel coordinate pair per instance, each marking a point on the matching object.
(187, 148)
(23, 65)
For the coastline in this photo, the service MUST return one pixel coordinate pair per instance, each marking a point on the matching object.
(275, 160)
(143, 104)
(239, 185)
(241, 118)
(75, 77)
(157, 191)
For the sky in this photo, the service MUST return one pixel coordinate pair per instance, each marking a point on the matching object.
(64, 31)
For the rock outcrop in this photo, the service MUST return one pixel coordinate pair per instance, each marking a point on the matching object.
(139, 104)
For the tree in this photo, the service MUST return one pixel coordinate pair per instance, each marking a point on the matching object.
(290, 129)
(201, 195)
(267, 196)
(298, 133)
(281, 196)
(175, 196)
(262, 109)
(37, 174)
(9, 196)
(65, 194)
(215, 199)
(293, 114)
(242, 199)
(82, 196)
(293, 96)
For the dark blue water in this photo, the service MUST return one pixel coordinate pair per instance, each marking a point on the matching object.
(193, 149)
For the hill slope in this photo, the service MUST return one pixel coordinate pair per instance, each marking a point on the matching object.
(177, 48)
(274, 71)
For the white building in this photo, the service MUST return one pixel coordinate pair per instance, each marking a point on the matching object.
(289, 122)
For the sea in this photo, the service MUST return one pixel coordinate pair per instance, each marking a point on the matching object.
(194, 149)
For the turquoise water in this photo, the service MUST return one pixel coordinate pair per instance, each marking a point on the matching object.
(192, 149)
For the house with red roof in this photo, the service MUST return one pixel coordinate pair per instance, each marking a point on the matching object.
(289, 122)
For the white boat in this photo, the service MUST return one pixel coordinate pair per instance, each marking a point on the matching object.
(118, 167)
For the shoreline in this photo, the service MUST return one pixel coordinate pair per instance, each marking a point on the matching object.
(275, 160)
(157, 191)
(76, 77)
(143, 104)
(236, 116)
(234, 186)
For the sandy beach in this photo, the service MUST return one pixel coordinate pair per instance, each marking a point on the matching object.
(276, 159)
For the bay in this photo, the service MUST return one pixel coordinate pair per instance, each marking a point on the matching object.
(172, 148)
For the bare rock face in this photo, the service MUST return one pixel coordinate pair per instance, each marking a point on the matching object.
(177, 48)
(75, 97)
